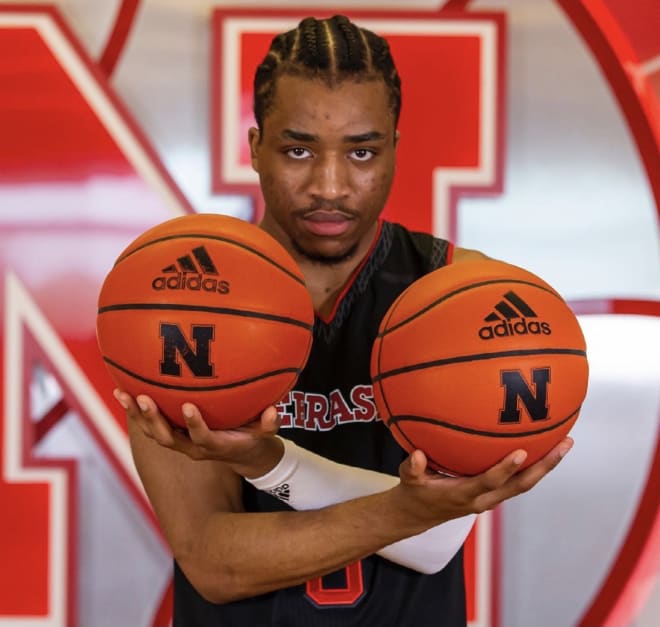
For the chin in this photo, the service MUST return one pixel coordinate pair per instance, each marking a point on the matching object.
(326, 256)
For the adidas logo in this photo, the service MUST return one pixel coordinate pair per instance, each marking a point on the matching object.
(192, 272)
(281, 492)
(511, 317)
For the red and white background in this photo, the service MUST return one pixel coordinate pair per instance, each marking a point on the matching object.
(530, 130)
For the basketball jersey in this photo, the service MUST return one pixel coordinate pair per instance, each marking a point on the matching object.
(331, 412)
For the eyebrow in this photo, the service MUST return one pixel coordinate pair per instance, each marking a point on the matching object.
(300, 136)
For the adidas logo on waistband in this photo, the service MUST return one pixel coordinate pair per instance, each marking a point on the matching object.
(185, 274)
(511, 317)
(281, 492)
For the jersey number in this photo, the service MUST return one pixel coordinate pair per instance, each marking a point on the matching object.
(348, 594)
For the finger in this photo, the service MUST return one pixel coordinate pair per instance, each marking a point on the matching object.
(127, 402)
(498, 475)
(529, 477)
(198, 431)
(133, 412)
(153, 421)
(525, 480)
(270, 421)
(413, 469)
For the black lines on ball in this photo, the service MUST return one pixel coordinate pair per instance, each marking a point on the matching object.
(216, 238)
(401, 420)
(201, 388)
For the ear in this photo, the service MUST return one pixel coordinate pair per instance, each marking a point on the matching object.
(254, 141)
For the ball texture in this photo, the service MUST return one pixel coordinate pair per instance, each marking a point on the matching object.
(208, 309)
(475, 360)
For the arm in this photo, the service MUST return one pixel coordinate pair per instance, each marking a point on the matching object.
(467, 254)
(229, 554)
(305, 481)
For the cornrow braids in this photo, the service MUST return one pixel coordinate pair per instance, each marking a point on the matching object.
(332, 50)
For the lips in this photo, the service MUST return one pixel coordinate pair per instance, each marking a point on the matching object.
(327, 223)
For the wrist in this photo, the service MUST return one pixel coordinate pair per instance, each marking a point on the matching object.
(411, 513)
(263, 458)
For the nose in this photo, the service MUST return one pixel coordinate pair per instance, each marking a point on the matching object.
(329, 177)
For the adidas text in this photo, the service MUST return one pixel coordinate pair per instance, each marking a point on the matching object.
(195, 282)
(522, 327)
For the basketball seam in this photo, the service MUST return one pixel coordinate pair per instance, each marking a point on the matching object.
(214, 238)
(433, 463)
(204, 388)
(491, 434)
(377, 379)
(465, 288)
(203, 308)
(479, 357)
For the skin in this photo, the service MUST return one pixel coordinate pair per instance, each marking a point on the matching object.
(325, 159)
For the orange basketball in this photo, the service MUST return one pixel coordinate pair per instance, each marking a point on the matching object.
(208, 309)
(475, 360)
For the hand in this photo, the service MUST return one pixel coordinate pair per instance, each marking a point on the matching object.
(251, 450)
(441, 498)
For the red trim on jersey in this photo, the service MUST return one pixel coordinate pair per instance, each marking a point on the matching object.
(351, 279)
(450, 253)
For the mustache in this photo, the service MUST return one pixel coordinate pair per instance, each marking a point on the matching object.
(329, 206)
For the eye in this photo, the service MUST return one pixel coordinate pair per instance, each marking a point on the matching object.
(298, 152)
(362, 154)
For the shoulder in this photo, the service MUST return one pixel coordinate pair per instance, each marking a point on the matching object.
(439, 250)
(429, 251)
(467, 254)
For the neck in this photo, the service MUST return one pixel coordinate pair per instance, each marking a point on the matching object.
(326, 281)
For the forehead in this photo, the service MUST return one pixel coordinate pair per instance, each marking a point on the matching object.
(349, 106)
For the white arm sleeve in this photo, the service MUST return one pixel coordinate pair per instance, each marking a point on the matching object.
(305, 480)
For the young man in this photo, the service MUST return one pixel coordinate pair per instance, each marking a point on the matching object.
(333, 527)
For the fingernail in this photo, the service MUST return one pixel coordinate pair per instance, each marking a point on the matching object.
(519, 457)
(187, 412)
(563, 450)
(120, 400)
(143, 406)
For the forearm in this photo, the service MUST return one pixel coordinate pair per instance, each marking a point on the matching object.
(228, 554)
(307, 481)
(230, 559)
(194, 486)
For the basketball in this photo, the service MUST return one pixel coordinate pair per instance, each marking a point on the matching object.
(475, 360)
(208, 309)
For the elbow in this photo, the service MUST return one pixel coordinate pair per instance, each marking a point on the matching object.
(214, 585)
(213, 591)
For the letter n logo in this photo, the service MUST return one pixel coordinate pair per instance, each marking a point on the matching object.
(175, 343)
(535, 400)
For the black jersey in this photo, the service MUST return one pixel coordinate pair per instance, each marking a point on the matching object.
(331, 412)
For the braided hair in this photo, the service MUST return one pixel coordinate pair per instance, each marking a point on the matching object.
(332, 50)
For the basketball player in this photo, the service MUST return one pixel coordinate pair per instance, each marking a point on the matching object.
(323, 521)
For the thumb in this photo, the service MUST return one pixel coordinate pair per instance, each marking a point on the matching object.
(414, 467)
(270, 420)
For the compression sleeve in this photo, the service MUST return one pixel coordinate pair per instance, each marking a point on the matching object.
(305, 480)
